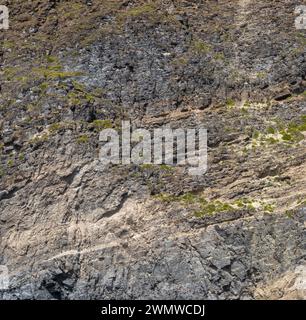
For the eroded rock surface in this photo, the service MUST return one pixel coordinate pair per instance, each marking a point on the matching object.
(71, 228)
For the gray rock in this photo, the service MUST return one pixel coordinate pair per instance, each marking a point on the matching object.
(3, 193)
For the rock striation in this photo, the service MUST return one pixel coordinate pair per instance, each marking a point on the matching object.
(71, 228)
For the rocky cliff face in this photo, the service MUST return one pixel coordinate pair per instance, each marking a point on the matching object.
(71, 228)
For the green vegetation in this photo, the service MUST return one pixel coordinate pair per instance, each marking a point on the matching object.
(52, 59)
(271, 130)
(147, 166)
(161, 167)
(261, 75)
(219, 56)
(55, 72)
(247, 104)
(290, 134)
(203, 207)
(73, 99)
(165, 167)
(213, 208)
(81, 96)
(83, 139)
(43, 86)
(10, 73)
(230, 103)
(200, 47)
(149, 11)
(21, 157)
(2, 172)
(100, 125)
(141, 10)
(10, 162)
(268, 208)
(289, 213)
(302, 202)
(55, 127)
(180, 61)
(75, 10)
(7, 44)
